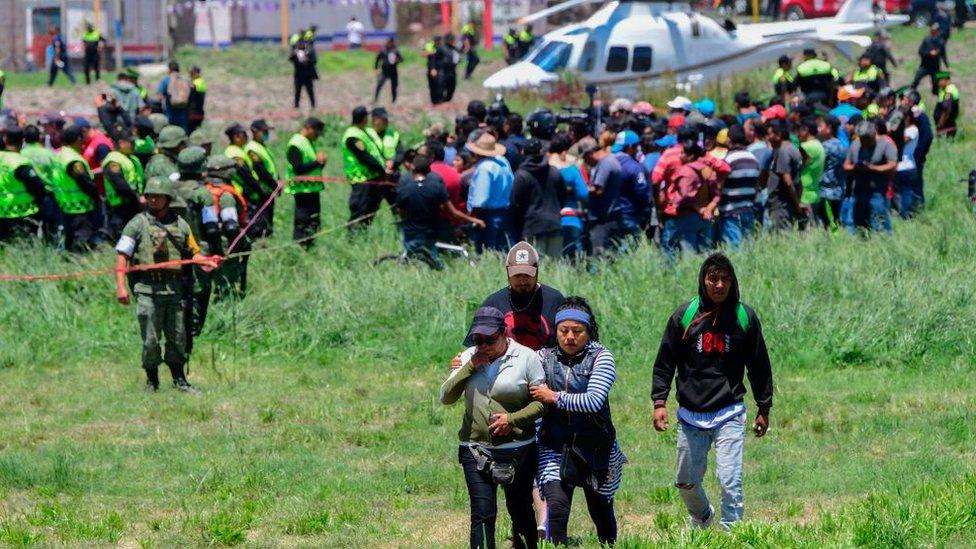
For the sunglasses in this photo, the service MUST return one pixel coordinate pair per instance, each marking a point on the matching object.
(485, 340)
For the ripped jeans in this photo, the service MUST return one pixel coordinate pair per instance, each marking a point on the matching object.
(693, 446)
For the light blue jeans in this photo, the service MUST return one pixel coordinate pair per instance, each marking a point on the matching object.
(693, 446)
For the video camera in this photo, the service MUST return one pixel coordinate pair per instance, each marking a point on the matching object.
(584, 120)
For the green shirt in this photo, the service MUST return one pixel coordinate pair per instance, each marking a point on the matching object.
(145, 242)
(812, 170)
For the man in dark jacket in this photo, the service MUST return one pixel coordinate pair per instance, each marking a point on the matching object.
(538, 194)
(711, 342)
(931, 53)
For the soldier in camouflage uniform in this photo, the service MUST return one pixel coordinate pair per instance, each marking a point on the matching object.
(155, 236)
(194, 197)
(172, 140)
(223, 219)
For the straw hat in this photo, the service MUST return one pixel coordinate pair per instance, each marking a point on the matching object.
(486, 145)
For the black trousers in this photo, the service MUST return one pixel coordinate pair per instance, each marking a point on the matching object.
(263, 226)
(93, 61)
(11, 229)
(365, 199)
(559, 502)
(309, 85)
(53, 73)
(394, 79)
(472, 62)
(448, 84)
(483, 495)
(921, 73)
(78, 232)
(434, 86)
(308, 217)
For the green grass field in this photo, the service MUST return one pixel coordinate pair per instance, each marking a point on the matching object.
(318, 424)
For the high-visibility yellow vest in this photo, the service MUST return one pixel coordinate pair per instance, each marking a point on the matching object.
(265, 156)
(305, 147)
(131, 174)
(15, 201)
(234, 152)
(91, 36)
(356, 171)
(870, 74)
(387, 144)
(45, 163)
(67, 193)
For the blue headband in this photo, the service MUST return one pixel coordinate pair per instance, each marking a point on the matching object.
(574, 314)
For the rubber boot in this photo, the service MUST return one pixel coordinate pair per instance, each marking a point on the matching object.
(179, 379)
(152, 379)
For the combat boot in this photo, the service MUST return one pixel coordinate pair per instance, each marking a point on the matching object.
(179, 379)
(152, 379)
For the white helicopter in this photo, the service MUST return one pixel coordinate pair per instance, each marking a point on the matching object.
(628, 42)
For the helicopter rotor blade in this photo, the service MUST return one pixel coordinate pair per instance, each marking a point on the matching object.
(558, 8)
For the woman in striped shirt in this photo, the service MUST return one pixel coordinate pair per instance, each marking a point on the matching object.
(577, 441)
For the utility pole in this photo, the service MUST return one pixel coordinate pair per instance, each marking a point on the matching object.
(64, 21)
(117, 29)
(284, 24)
(167, 37)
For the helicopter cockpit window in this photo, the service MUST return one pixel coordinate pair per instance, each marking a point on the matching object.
(617, 59)
(588, 59)
(642, 59)
(695, 27)
(553, 56)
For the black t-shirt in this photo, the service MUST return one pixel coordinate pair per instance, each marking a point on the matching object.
(421, 201)
(529, 320)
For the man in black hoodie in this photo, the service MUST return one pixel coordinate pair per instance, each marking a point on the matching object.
(538, 194)
(711, 342)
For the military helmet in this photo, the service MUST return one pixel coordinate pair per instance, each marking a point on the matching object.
(171, 137)
(191, 160)
(159, 121)
(221, 166)
(199, 139)
(160, 185)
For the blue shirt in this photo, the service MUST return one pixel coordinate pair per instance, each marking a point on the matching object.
(491, 184)
(834, 180)
(605, 175)
(650, 160)
(635, 193)
(578, 194)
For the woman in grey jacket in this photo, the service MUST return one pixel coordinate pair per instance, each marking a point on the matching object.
(497, 436)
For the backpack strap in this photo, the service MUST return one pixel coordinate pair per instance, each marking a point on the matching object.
(743, 316)
(740, 313)
(690, 312)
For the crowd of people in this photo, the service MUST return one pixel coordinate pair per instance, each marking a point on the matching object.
(535, 382)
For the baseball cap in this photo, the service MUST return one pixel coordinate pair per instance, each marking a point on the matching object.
(83, 123)
(643, 107)
(680, 102)
(314, 123)
(522, 259)
(380, 112)
(583, 147)
(621, 105)
(625, 139)
(667, 141)
(235, 129)
(487, 321)
(848, 92)
(261, 125)
(706, 106)
(676, 121)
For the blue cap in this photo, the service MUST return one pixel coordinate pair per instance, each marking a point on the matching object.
(625, 139)
(705, 106)
(487, 321)
(82, 123)
(667, 141)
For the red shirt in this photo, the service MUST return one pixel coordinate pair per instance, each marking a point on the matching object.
(693, 186)
(452, 182)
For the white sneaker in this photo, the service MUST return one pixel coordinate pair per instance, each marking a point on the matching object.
(704, 524)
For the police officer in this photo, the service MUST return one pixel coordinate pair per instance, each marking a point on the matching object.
(94, 43)
(525, 41)
(21, 190)
(511, 42)
(264, 167)
(46, 164)
(172, 139)
(449, 58)
(198, 98)
(365, 168)
(144, 145)
(868, 74)
(469, 47)
(222, 221)
(245, 180)
(305, 161)
(947, 109)
(816, 77)
(783, 82)
(388, 141)
(75, 192)
(156, 236)
(123, 184)
(433, 54)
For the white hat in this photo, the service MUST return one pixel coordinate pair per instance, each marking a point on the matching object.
(621, 105)
(680, 102)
